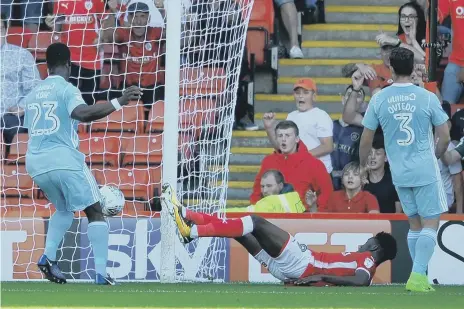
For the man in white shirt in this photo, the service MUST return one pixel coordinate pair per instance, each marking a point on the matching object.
(452, 181)
(314, 124)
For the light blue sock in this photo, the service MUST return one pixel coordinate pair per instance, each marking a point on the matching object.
(412, 240)
(425, 247)
(58, 225)
(98, 235)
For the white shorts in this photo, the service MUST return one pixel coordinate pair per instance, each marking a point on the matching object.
(292, 262)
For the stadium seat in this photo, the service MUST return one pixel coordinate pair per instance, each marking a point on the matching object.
(39, 43)
(135, 183)
(156, 117)
(16, 182)
(129, 119)
(18, 149)
(202, 81)
(43, 70)
(18, 36)
(260, 28)
(100, 150)
(455, 108)
(143, 150)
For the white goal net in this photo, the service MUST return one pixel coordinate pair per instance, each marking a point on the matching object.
(115, 45)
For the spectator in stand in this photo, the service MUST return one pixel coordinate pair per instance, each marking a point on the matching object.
(276, 196)
(18, 75)
(289, 17)
(314, 124)
(453, 80)
(140, 48)
(303, 171)
(346, 139)
(380, 181)
(30, 12)
(79, 23)
(352, 199)
(411, 31)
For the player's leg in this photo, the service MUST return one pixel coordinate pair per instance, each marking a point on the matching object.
(408, 203)
(58, 225)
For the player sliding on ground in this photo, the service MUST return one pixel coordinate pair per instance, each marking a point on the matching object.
(407, 115)
(279, 252)
(53, 109)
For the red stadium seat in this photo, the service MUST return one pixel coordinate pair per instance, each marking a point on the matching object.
(100, 150)
(197, 81)
(129, 119)
(134, 183)
(260, 28)
(18, 149)
(18, 36)
(39, 43)
(43, 70)
(456, 107)
(143, 150)
(156, 117)
(16, 182)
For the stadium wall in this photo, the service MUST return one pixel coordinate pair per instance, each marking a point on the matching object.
(135, 254)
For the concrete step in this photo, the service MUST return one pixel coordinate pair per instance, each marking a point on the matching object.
(365, 2)
(317, 67)
(367, 14)
(283, 116)
(239, 190)
(239, 155)
(340, 49)
(239, 173)
(285, 103)
(325, 85)
(346, 32)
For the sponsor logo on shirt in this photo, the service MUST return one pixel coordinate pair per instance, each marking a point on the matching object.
(368, 262)
(144, 59)
(148, 46)
(82, 19)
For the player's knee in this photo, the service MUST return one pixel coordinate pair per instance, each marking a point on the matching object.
(94, 213)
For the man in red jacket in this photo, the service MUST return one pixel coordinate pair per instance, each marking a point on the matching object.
(304, 172)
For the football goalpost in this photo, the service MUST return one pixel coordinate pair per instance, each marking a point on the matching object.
(182, 138)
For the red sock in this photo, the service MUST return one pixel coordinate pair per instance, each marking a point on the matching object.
(200, 218)
(229, 228)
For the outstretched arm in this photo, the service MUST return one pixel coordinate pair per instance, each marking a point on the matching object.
(361, 278)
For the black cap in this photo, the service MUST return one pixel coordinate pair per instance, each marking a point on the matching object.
(138, 7)
(457, 125)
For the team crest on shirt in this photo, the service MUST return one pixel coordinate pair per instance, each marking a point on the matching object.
(88, 5)
(148, 46)
(354, 136)
(368, 262)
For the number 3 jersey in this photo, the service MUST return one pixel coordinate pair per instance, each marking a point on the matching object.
(53, 140)
(407, 114)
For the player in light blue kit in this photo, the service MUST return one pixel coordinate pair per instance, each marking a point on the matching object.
(53, 109)
(407, 115)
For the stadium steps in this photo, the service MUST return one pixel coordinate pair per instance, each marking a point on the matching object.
(346, 37)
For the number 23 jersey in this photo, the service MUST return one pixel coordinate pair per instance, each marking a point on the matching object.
(53, 141)
(407, 114)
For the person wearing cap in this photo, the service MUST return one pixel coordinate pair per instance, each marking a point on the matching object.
(314, 124)
(140, 49)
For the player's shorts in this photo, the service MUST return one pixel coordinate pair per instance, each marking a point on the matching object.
(425, 201)
(293, 261)
(69, 190)
(279, 3)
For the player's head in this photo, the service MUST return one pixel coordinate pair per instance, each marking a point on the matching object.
(352, 177)
(382, 246)
(378, 156)
(401, 62)
(411, 16)
(59, 60)
(3, 29)
(287, 135)
(138, 14)
(360, 96)
(304, 92)
(272, 183)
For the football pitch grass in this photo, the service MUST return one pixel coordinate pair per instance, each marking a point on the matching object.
(155, 295)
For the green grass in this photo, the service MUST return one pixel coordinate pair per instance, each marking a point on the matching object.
(155, 295)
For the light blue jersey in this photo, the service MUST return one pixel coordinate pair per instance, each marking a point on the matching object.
(407, 114)
(53, 140)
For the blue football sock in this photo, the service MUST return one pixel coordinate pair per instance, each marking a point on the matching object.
(412, 240)
(58, 225)
(425, 247)
(98, 235)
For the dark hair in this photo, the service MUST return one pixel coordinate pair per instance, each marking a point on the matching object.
(4, 21)
(287, 124)
(57, 55)
(379, 142)
(277, 175)
(388, 244)
(402, 61)
(387, 47)
(421, 23)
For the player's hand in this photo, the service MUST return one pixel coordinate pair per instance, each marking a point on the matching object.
(268, 120)
(357, 80)
(368, 71)
(133, 93)
(364, 172)
(113, 5)
(50, 21)
(384, 39)
(308, 280)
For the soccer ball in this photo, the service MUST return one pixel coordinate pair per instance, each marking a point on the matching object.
(112, 200)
